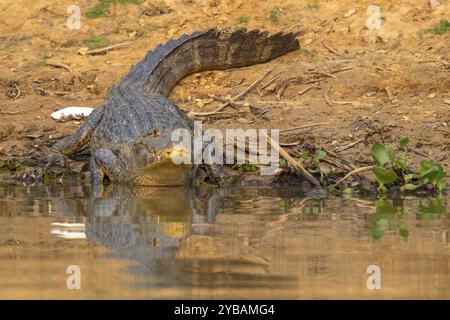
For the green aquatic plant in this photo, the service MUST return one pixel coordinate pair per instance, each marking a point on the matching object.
(245, 167)
(431, 172)
(390, 168)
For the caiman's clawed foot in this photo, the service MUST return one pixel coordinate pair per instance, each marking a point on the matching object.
(55, 157)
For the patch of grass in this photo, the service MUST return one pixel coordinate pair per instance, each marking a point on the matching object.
(102, 6)
(441, 28)
(274, 15)
(243, 19)
(95, 42)
(312, 6)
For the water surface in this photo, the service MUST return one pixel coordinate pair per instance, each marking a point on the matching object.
(253, 243)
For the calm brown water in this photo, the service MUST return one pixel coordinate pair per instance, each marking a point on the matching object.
(188, 243)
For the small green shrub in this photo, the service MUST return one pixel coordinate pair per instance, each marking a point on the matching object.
(390, 168)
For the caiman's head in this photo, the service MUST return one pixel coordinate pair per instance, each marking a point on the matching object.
(152, 161)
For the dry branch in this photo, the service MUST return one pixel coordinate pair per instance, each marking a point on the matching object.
(106, 49)
(296, 164)
(356, 171)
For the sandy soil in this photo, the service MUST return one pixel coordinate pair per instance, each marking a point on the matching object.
(398, 85)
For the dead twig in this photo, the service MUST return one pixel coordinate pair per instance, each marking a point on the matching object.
(304, 127)
(348, 146)
(330, 102)
(356, 171)
(290, 144)
(326, 95)
(269, 82)
(244, 92)
(232, 103)
(106, 49)
(59, 65)
(388, 92)
(9, 113)
(327, 74)
(341, 69)
(330, 49)
(296, 164)
(306, 90)
(341, 102)
(4, 57)
(212, 113)
(419, 153)
(281, 91)
(315, 80)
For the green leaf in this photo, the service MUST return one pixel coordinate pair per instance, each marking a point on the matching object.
(408, 177)
(381, 154)
(324, 169)
(319, 155)
(399, 163)
(385, 176)
(283, 163)
(441, 185)
(410, 186)
(404, 142)
(431, 171)
(347, 191)
(2, 164)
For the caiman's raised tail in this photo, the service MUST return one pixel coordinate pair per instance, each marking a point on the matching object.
(130, 137)
(214, 49)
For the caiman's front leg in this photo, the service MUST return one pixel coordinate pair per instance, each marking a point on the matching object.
(103, 163)
(71, 144)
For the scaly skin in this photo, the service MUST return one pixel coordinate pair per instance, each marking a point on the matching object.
(130, 137)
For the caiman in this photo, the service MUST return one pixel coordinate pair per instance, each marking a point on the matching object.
(130, 135)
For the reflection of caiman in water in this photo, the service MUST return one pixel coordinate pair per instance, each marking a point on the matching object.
(150, 225)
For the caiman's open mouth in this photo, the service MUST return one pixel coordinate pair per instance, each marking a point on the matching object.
(163, 171)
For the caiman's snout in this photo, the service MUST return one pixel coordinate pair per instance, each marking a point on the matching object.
(165, 170)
